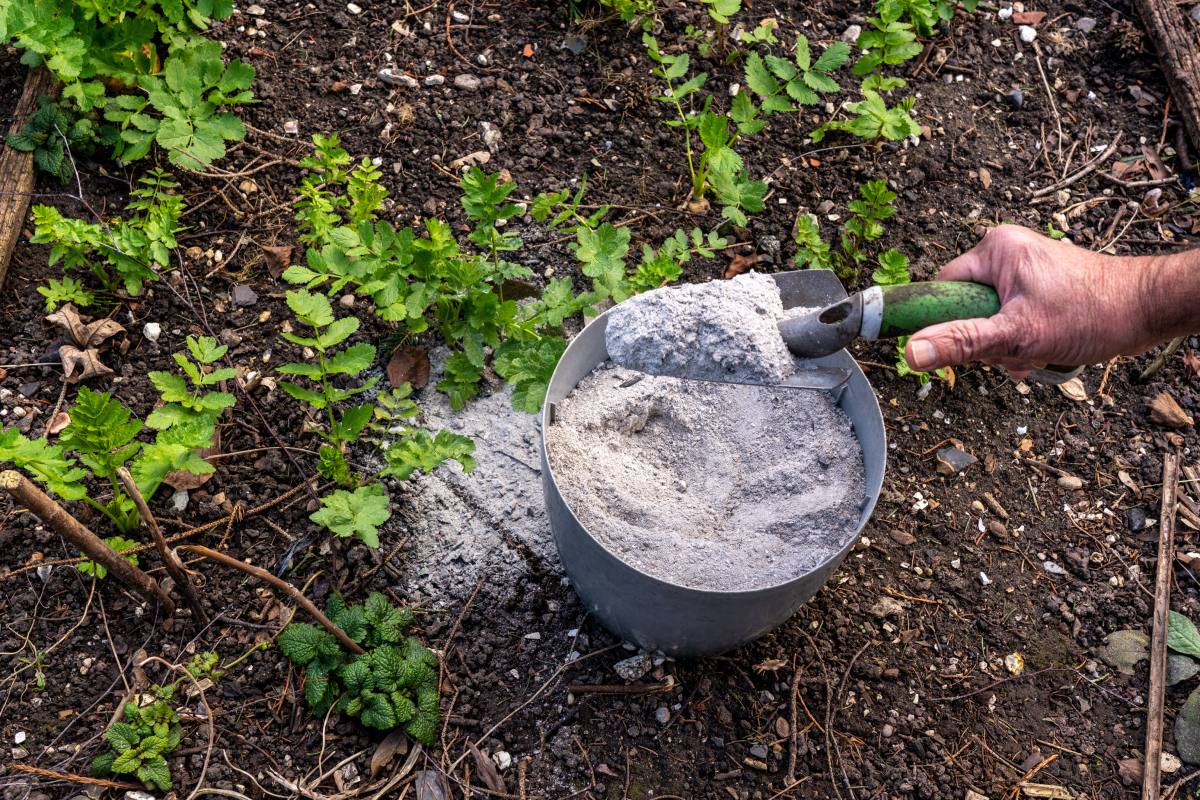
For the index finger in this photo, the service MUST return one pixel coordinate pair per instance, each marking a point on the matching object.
(970, 266)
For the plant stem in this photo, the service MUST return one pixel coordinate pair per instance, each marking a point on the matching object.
(58, 518)
(283, 586)
(170, 560)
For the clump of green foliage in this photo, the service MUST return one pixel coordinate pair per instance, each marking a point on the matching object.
(784, 84)
(121, 546)
(53, 139)
(874, 120)
(122, 254)
(394, 684)
(102, 436)
(361, 505)
(425, 280)
(714, 166)
(187, 399)
(138, 72)
(147, 735)
(67, 290)
(873, 206)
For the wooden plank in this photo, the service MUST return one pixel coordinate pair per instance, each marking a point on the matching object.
(1178, 46)
(16, 169)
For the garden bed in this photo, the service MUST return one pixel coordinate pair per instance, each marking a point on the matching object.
(891, 682)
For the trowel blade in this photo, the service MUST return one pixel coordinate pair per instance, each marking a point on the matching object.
(820, 378)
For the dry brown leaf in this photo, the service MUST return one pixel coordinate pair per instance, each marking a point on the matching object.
(1074, 390)
(1166, 411)
(58, 422)
(741, 263)
(184, 481)
(79, 365)
(1158, 170)
(985, 177)
(517, 289)
(770, 665)
(278, 258)
(409, 365)
(431, 785)
(487, 770)
(395, 744)
(1028, 17)
(1048, 791)
(84, 335)
(1191, 360)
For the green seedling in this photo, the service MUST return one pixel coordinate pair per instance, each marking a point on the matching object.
(763, 33)
(68, 290)
(141, 743)
(136, 73)
(394, 684)
(119, 544)
(864, 226)
(784, 84)
(924, 15)
(887, 42)
(874, 120)
(125, 252)
(315, 312)
(54, 139)
(188, 399)
(645, 11)
(721, 11)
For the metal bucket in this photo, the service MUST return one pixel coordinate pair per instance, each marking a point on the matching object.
(657, 614)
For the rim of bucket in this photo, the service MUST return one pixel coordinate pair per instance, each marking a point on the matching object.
(864, 517)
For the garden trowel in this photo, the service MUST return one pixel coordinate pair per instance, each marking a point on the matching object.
(888, 312)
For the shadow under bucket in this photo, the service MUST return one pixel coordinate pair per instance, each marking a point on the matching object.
(660, 615)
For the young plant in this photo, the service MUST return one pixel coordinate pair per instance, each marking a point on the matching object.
(671, 70)
(138, 71)
(315, 312)
(118, 543)
(633, 10)
(54, 139)
(785, 85)
(190, 402)
(874, 121)
(68, 290)
(888, 42)
(125, 252)
(763, 33)
(141, 743)
(868, 212)
(394, 684)
(722, 10)
(925, 15)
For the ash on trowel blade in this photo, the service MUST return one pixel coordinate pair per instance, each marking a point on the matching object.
(722, 330)
(708, 485)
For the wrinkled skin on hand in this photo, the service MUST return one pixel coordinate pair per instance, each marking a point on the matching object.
(1060, 304)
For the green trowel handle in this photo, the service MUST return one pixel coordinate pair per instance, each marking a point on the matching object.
(909, 307)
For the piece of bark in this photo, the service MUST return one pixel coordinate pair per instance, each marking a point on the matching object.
(1179, 53)
(16, 168)
(51, 513)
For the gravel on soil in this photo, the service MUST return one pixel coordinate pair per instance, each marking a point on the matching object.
(708, 485)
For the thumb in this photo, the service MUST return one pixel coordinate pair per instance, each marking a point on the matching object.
(959, 342)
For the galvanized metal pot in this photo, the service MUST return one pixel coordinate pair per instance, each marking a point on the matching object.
(660, 615)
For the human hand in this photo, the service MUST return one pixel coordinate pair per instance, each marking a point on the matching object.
(1060, 304)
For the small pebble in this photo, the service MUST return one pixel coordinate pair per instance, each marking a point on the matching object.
(662, 715)
(152, 330)
(435, 80)
(759, 751)
(460, 17)
(851, 34)
(984, 579)
(886, 731)
(468, 82)
(1017, 98)
(291, 127)
(1028, 33)
(1085, 24)
(354, 8)
(1070, 482)
(179, 500)
(1053, 567)
(1005, 13)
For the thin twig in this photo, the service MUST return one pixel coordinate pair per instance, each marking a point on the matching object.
(1083, 172)
(1152, 771)
(1161, 359)
(170, 560)
(281, 585)
(71, 777)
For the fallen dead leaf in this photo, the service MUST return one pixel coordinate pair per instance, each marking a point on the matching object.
(1166, 411)
(395, 744)
(431, 785)
(985, 177)
(1047, 791)
(79, 365)
(278, 258)
(409, 365)
(184, 481)
(741, 263)
(58, 422)
(84, 334)
(770, 665)
(476, 159)
(1191, 360)
(1074, 390)
(1158, 170)
(1130, 769)
(1028, 17)
(487, 770)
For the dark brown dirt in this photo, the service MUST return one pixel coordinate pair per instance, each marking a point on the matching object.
(917, 704)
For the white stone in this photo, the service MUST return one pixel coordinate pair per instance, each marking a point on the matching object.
(256, 10)
(503, 759)
(152, 330)
(19, 738)
(1028, 33)
(354, 8)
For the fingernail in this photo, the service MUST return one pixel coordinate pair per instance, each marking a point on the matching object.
(924, 354)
